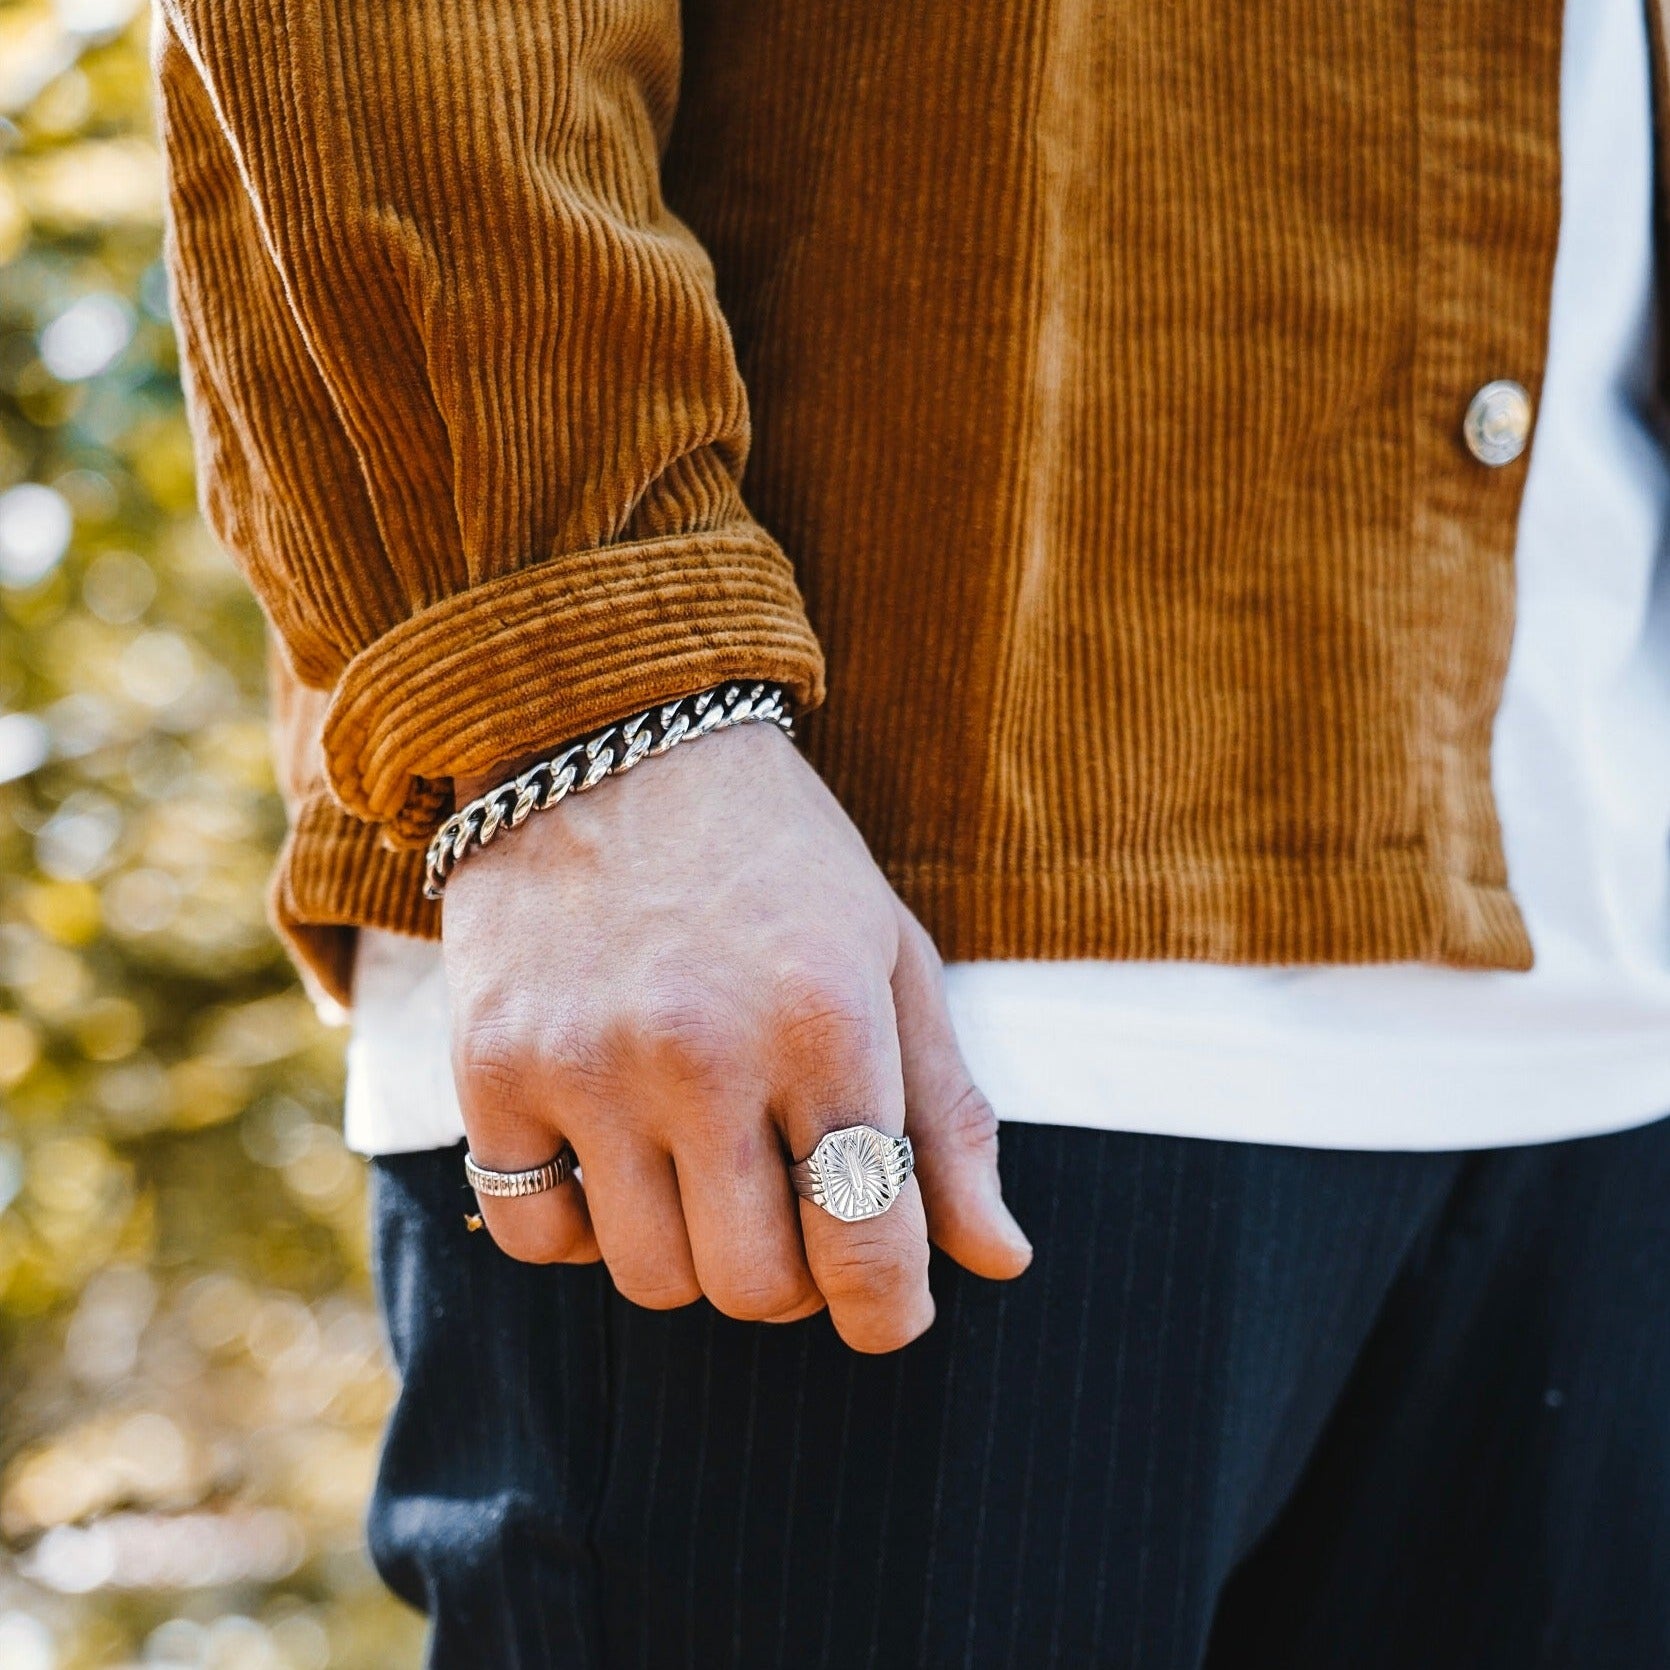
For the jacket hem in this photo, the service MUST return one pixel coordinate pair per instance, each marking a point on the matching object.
(335, 875)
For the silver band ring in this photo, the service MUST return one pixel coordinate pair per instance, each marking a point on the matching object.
(854, 1173)
(509, 1184)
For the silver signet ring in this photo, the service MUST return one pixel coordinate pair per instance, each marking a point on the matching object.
(854, 1173)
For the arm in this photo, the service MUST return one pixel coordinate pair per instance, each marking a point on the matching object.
(469, 418)
(458, 376)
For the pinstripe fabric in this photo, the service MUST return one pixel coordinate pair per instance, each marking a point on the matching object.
(1251, 1407)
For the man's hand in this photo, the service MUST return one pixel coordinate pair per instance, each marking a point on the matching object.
(691, 974)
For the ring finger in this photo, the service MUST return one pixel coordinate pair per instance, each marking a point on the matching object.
(873, 1272)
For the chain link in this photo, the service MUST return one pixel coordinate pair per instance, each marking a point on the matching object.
(584, 764)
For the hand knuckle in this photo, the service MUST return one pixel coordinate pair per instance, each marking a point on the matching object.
(887, 1330)
(495, 1061)
(971, 1122)
(825, 1012)
(574, 1057)
(891, 1336)
(690, 1034)
(873, 1268)
(755, 1296)
(512, 1069)
(657, 1290)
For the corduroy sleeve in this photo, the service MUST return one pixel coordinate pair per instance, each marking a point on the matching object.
(467, 412)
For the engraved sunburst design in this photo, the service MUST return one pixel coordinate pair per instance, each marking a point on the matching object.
(855, 1173)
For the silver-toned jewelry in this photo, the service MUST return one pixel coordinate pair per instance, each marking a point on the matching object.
(584, 764)
(509, 1184)
(854, 1173)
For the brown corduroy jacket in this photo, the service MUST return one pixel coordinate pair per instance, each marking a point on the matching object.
(1106, 367)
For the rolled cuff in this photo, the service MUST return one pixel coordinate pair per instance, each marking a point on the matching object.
(335, 875)
(551, 652)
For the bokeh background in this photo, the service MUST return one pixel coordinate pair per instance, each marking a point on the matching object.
(191, 1370)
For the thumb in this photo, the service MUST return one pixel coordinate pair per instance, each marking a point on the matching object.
(952, 1127)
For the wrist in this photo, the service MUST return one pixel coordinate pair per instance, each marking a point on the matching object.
(504, 799)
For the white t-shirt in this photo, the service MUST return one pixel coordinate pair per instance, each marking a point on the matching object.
(1404, 1056)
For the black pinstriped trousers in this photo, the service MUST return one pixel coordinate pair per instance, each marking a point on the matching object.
(1260, 1408)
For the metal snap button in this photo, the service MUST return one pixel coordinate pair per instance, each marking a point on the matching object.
(1498, 423)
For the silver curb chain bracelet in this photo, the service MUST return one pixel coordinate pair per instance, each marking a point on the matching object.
(604, 753)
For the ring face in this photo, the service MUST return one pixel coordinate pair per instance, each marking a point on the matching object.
(854, 1173)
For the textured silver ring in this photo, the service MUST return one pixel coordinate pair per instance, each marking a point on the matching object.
(509, 1184)
(854, 1173)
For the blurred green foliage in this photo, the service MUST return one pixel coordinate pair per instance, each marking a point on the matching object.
(191, 1374)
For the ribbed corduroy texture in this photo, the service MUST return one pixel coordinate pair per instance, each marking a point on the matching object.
(1107, 367)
